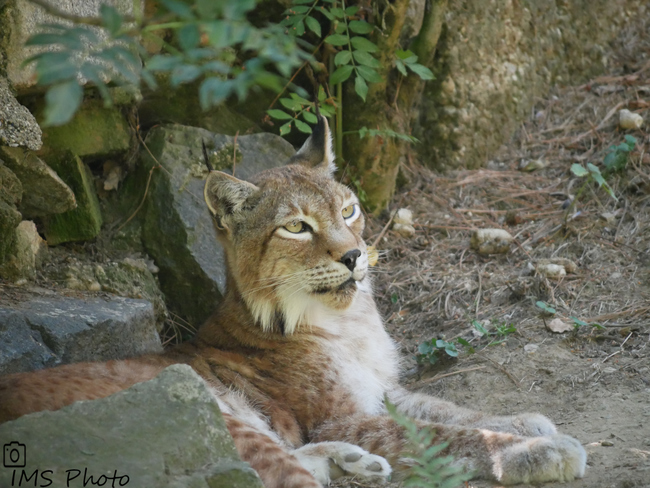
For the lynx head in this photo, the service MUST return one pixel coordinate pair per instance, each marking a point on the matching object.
(292, 237)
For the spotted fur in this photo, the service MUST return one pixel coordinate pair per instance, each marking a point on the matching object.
(297, 356)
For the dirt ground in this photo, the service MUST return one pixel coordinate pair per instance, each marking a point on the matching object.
(593, 382)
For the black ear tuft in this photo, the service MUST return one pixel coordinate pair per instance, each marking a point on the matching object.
(317, 151)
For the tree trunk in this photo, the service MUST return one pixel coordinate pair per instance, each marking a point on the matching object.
(374, 161)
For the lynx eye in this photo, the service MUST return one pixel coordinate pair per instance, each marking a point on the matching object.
(350, 211)
(296, 227)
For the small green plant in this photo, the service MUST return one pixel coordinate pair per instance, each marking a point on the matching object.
(501, 332)
(429, 470)
(593, 174)
(577, 323)
(618, 156)
(431, 351)
(545, 308)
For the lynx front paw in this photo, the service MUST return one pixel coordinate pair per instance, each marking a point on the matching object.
(541, 459)
(357, 462)
(332, 460)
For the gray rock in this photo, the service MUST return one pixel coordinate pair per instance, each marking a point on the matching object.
(26, 254)
(43, 331)
(178, 230)
(44, 192)
(18, 127)
(167, 432)
(20, 19)
(10, 193)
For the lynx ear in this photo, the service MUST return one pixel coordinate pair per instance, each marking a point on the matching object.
(317, 151)
(225, 195)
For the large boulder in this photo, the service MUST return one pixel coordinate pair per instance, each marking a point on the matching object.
(166, 433)
(178, 229)
(25, 254)
(38, 331)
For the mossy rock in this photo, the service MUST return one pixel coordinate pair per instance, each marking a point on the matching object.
(84, 222)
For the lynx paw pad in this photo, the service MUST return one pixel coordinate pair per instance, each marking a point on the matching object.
(355, 461)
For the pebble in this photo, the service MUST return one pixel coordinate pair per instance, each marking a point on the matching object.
(559, 326)
(531, 348)
(491, 241)
(629, 120)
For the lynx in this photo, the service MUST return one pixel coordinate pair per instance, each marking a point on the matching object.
(296, 354)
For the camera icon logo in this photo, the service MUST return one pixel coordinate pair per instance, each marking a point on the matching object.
(14, 455)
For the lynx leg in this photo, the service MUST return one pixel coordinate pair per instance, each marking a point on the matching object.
(425, 407)
(331, 460)
(277, 467)
(490, 455)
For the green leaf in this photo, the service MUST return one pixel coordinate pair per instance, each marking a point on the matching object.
(350, 11)
(579, 170)
(342, 57)
(299, 28)
(545, 307)
(341, 28)
(185, 73)
(360, 27)
(327, 110)
(181, 9)
(365, 59)
(111, 18)
(451, 350)
(361, 87)
(299, 99)
(299, 9)
(302, 127)
(363, 44)
(337, 40)
(400, 67)
(313, 26)
(189, 36)
(326, 13)
(339, 13)
(479, 327)
(62, 101)
(578, 322)
(310, 117)
(405, 54)
(291, 104)
(163, 62)
(425, 348)
(422, 71)
(631, 141)
(341, 74)
(279, 114)
(610, 159)
(213, 91)
(369, 74)
(285, 129)
(66, 39)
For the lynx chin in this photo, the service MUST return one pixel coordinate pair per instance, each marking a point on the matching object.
(296, 354)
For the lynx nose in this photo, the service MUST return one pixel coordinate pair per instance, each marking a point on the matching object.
(350, 259)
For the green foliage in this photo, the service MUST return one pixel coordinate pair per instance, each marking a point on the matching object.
(577, 323)
(300, 108)
(593, 174)
(365, 132)
(546, 308)
(431, 351)
(354, 59)
(617, 157)
(213, 42)
(430, 470)
(407, 59)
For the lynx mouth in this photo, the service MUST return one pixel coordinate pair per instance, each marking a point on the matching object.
(347, 285)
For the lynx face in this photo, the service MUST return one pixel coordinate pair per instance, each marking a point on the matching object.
(293, 238)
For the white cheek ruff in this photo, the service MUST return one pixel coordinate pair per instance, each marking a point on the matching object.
(300, 236)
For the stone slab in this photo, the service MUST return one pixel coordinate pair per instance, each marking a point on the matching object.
(44, 331)
(164, 433)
